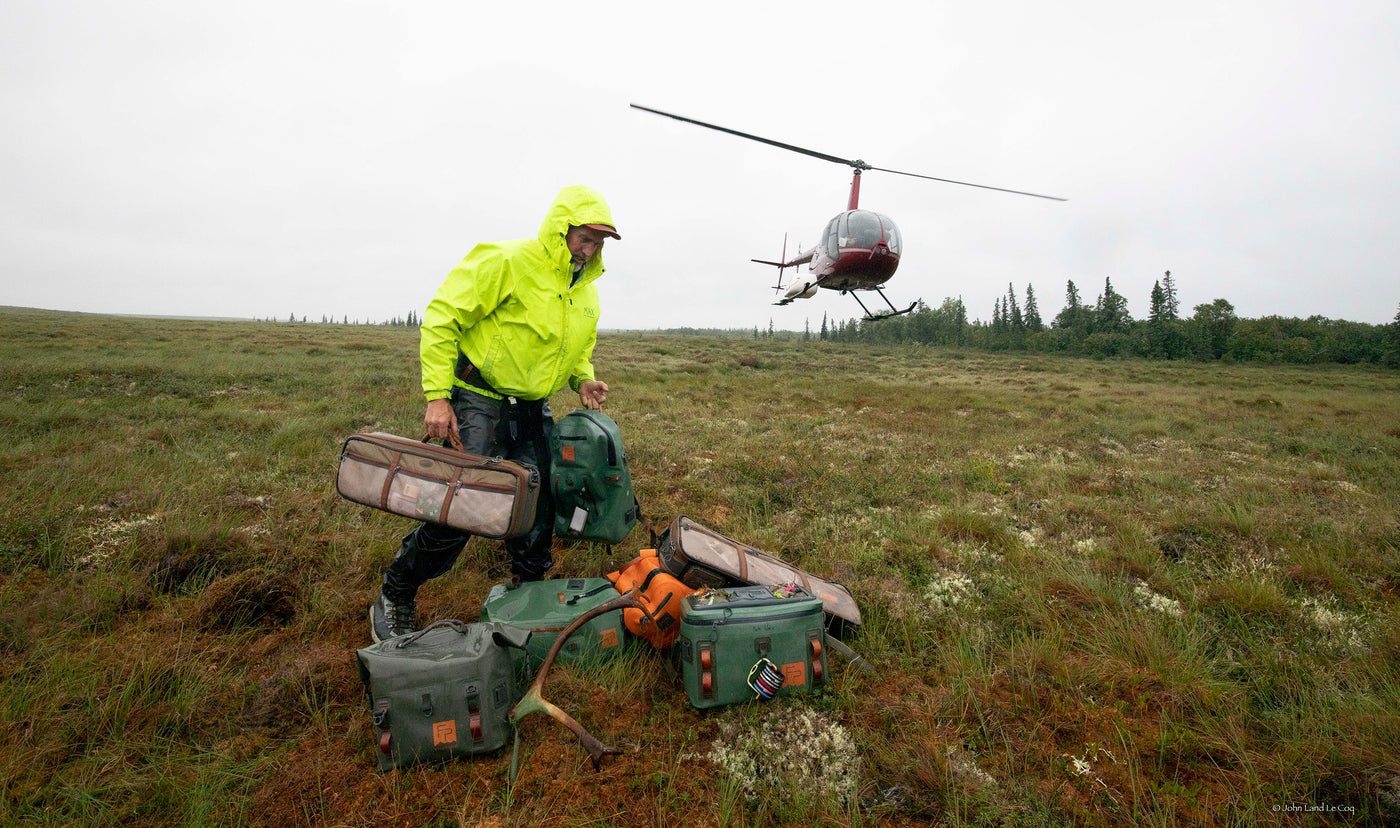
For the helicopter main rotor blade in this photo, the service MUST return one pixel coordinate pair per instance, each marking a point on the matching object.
(857, 164)
(969, 184)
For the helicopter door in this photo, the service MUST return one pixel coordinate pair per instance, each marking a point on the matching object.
(832, 239)
(892, 239)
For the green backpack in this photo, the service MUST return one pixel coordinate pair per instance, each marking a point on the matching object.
(593, 498)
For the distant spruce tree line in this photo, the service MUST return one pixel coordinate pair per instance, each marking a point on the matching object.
(410, 321)
(1105, 329)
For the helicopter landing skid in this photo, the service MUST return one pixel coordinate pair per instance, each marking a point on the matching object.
(876, 317)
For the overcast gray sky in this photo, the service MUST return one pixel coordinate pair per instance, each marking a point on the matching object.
(264, 159)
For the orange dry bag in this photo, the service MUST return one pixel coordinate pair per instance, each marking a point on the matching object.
(659, 591)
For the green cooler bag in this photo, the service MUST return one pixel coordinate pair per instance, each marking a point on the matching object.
(593, 498)
(545, 608)
(443, 691)
(752, 642)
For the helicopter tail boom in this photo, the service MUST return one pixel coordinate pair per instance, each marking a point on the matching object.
(800, 260)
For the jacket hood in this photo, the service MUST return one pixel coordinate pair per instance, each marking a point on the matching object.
(574, 206)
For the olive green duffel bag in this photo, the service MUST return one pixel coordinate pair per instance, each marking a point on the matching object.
(443, 691)
(546, 608)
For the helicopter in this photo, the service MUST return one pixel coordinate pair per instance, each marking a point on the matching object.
(859, 249)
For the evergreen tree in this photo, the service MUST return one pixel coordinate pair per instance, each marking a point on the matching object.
(1169, 304)
(1014, 318)
(1072, 317)
(1157, 305)
(823, 330)
(1033, 322)
(1157, 321)
(1111, 310)
(806, 330)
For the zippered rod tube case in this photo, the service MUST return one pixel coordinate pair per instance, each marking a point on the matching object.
(546, 608)
(487, 496)
(702, 557)
(730, 636)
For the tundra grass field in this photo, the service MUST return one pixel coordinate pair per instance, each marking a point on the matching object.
(1095, 592)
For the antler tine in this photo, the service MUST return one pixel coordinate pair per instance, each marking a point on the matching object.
(534, 701)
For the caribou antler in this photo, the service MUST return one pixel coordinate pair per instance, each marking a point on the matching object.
(534, 700)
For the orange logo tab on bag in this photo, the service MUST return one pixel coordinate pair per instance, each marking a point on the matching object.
(609, 637)
(794, 675)
(567, 452)
(445, 733)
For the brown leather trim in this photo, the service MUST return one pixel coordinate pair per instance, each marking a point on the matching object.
(389, 481)
(451, 490)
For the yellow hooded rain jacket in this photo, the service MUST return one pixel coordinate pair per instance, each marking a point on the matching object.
(510, 309)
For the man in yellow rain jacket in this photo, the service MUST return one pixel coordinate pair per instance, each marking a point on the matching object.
(513, 323)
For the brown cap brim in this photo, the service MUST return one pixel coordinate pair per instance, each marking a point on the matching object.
(604, 228)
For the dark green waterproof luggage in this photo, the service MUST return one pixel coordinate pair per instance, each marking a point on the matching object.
(593, 498)
(547, 607)
(751, 642)
(443, 691)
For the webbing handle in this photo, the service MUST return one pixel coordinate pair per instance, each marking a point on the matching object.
(456, 625)
(452, 438)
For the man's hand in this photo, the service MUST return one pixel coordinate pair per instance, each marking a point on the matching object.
(593, 393)
(440, 420)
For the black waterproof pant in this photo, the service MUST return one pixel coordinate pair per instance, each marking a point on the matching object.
(484, 426)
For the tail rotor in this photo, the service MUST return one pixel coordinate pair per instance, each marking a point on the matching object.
(778, 288)
(781, 264)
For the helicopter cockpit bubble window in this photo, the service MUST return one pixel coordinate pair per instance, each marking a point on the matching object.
(860, 228)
